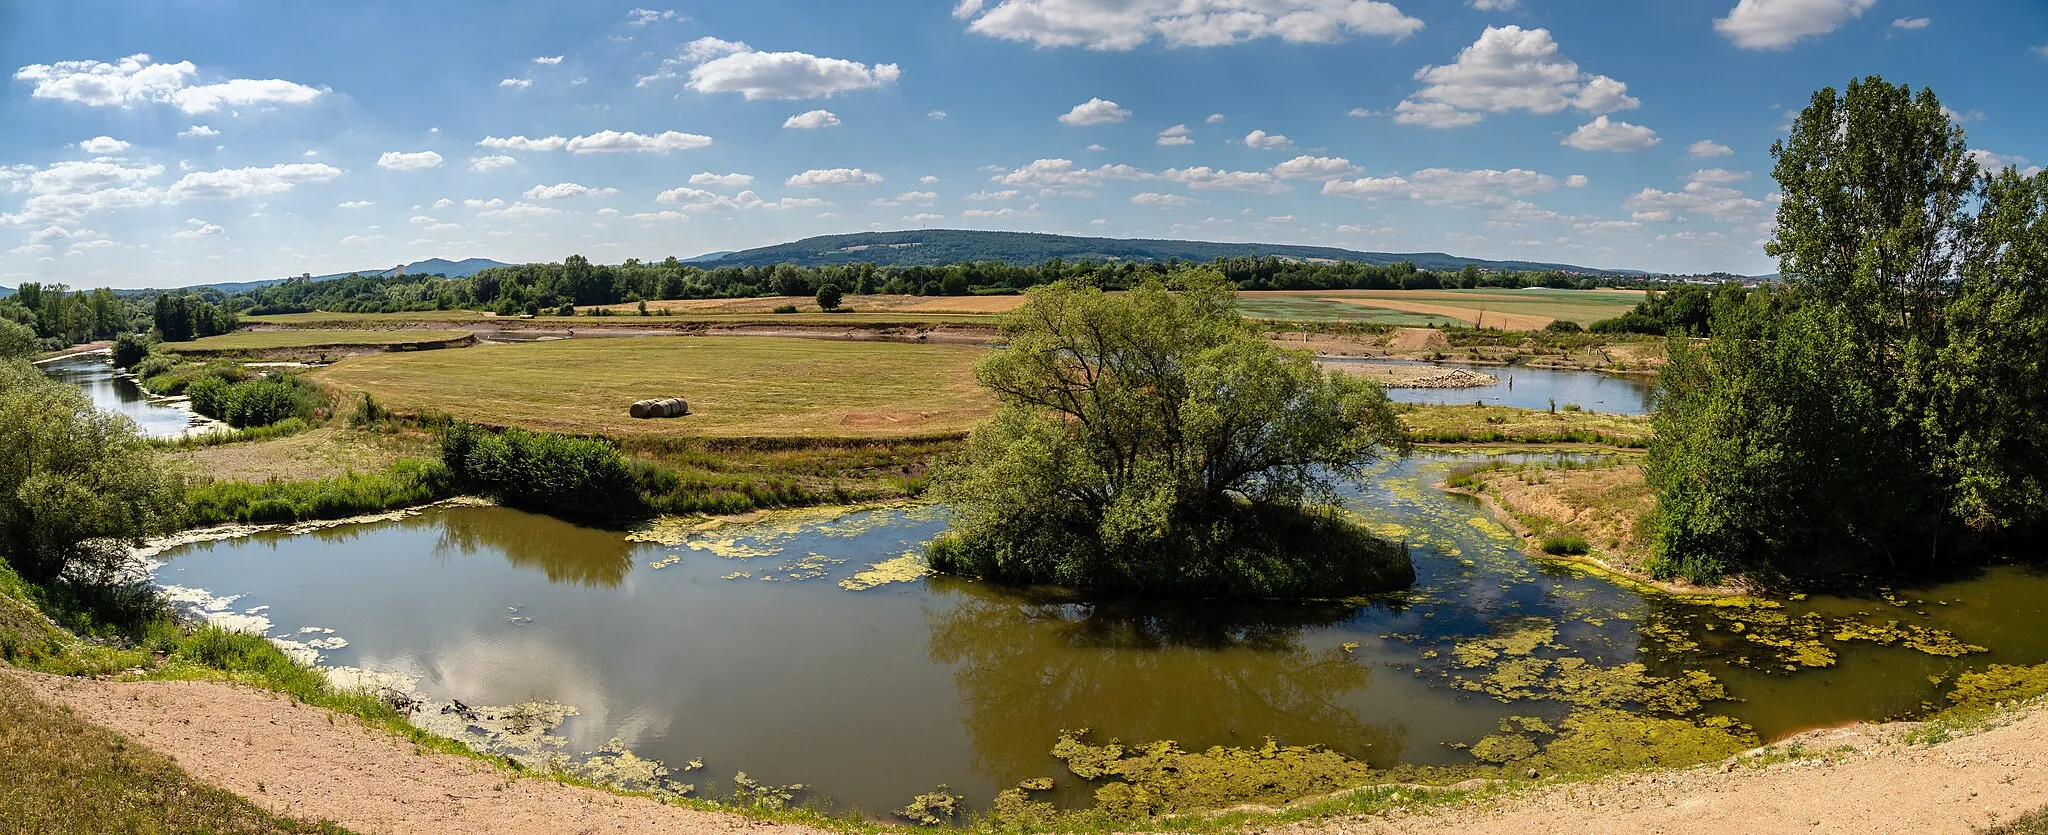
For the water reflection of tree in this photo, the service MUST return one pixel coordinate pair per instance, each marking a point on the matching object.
(564, 552)
(1200, 673)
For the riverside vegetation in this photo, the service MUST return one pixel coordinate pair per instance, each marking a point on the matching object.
(1884, 407)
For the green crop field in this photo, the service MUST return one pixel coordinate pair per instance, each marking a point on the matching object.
(736, 386)
(1291, 308)
(276, 340)
(1582, 306)
(323, 319)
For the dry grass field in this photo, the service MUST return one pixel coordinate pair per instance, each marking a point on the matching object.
(736, 386)
(325, 319)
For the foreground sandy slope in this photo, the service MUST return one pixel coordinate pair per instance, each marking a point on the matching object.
(1879, 785)
(304, 762)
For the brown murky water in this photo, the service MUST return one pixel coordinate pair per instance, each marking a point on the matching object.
(766, 648)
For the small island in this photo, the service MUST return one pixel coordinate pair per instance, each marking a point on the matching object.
(1151, 441)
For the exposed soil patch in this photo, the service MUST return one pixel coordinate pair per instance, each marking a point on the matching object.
(1418, 339)
(1415, 376)
(305, 762)
(1862, 778)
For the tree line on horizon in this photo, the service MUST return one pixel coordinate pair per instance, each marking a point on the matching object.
(577, 282)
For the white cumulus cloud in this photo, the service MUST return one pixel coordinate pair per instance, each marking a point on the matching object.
(516, 83)
(1267, 141)
(706, 178)
(1603, 134)
(722, 66)
(1778, 24)
(1508, 68)
(812, 120)
(196, 229)
(491, 163)
(1307, 167)
(413, 161)
(1176, 135)
(615, 142)
(563, 191)
(137, 79)
(1162, 201)
(1095, 112)
(1127, 24)
(232, 183)
(1708, 148)
(103, 145)
(198, 131)
(834, 177)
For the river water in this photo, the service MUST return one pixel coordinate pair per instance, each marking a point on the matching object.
(1523, 387)
(756, 647)
(110, 391)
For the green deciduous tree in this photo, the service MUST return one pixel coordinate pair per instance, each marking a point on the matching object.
(1991, 395)
(78, 487)
(1888, 401)
(17, 341)
(829, 297)
(1151, 440)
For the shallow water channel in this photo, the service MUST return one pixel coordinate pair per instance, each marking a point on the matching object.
(1523, 387)
(761, 648)
(110, 391)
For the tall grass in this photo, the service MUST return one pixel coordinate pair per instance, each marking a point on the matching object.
(403, 484)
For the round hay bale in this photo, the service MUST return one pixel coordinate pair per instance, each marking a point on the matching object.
(643, 409)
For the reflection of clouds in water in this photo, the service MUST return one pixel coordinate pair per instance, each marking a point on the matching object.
(523, 666)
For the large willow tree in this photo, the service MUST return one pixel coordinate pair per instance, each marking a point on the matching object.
(1151, 440)
(1886, 404)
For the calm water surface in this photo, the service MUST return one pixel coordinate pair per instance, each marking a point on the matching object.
(109, 391)
(1533, 388)
(741, 647)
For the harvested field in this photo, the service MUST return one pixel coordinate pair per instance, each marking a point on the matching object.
(270, 340)
(737, 386)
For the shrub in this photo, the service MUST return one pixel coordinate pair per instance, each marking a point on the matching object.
(785, 308)
(1565, 545)
(129, 349)
(256, 402)
(578, 478)
(1564, 326)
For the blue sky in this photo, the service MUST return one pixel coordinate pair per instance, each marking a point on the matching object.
(180, 141)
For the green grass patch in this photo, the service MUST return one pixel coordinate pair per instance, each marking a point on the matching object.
(1566, 545)
(281, 339)
(2031, 823)
(1431, 424)
(403, 484)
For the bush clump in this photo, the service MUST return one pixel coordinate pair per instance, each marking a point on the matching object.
(130, 348)
(1566, 545)
(259, 402)
(576, 478)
